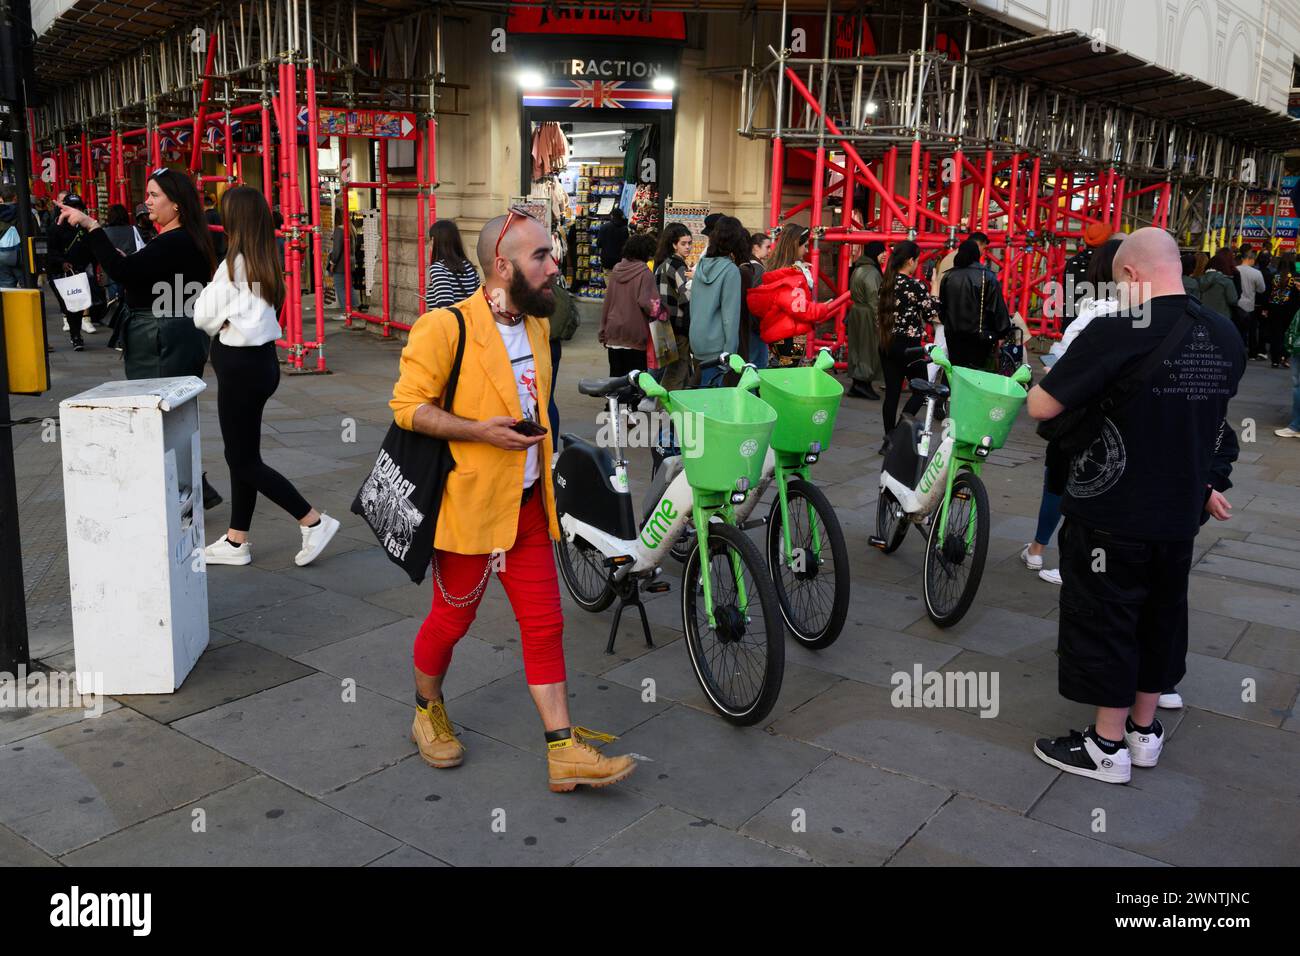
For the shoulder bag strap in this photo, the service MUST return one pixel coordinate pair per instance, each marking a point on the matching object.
(1127, 387)
(455, 366)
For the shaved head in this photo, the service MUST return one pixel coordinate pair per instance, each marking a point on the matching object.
(523, 236)
(518, 266)
(1148, 264)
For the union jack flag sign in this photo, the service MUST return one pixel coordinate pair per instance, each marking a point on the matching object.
(600, 94)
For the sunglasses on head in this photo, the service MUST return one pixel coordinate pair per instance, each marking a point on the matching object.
(516, 212)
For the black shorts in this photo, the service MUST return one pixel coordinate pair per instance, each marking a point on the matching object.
(1123, 629)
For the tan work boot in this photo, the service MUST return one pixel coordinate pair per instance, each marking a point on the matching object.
(574, 761)
(432, 733)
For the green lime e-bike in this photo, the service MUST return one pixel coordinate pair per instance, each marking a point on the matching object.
(730, 612)
(945, 487)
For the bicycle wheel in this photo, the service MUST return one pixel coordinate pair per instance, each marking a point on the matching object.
(583, 569)
(814, 596)
(891, 526)
(953, 567)
(740, 662)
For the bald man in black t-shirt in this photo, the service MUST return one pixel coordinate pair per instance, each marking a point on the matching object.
(1134, 500)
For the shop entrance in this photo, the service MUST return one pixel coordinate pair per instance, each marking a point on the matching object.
(621, 163)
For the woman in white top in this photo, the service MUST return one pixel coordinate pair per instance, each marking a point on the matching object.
(239, 307)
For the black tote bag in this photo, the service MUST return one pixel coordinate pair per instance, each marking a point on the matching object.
(401, 497)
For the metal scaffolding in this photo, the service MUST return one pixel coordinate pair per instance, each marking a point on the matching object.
(1029, 141)
(253, 76)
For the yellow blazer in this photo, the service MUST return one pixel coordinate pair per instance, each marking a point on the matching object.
(480, 506)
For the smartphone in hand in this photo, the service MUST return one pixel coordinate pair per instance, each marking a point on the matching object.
(528, 427)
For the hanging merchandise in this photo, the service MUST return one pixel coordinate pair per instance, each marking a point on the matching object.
(632, 156)
(648, 157)
(625, 199)
(550, 150)
(645, 209)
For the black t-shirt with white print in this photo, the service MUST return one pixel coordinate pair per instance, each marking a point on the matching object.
(1146, 475)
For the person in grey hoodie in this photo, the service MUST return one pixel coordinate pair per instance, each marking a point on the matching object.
(715, 296)
(631, 302)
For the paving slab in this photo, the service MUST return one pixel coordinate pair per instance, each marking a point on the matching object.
(257, 822)
(306, 735)
(1273, 648)
(1238, 755)
(674, 679)
(493, 810)
(989, 759)
(889, 608)
(78, 783)
(1219, 686)
(1251, 571)
(995, 631)
(406, 856)
(381, 661)
(15, 851)
(872, 654)
(709, 768)
(18, 723)
(1244, 601)
(848, 814)
(220, 676)
(504, 710)
(1176, 817)
(238, 590)
(1213, 634)
(358, 572)
(321, 618)
(969, 833)
(669, 837)
(1258, 552)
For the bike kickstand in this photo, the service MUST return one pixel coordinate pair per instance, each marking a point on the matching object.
(618, 614)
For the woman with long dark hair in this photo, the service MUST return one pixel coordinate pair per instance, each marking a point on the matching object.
(160, 282)
(239, 310)
(1218, 291)
(905, 307)
(1283, 303)
(673, 278)
(124, 235)
(451, 277)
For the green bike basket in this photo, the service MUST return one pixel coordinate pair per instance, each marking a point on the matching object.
(724, 434)
(983, 405)
(806, 401)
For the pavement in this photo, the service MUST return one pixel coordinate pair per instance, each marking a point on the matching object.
(261, 758)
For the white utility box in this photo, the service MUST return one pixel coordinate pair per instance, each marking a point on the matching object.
(133, 490)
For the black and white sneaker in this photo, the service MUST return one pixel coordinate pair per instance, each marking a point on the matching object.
(1081, 754)
(1144, 746)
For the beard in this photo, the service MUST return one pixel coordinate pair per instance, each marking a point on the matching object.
(531, 301)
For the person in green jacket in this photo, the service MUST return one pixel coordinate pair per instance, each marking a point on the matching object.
(860, 323)
(1218, 291)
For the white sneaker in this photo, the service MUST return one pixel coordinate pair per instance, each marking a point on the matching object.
(315, 539)
(1286, 432)
(222, 551)
(88, 327)
(1170, 701)
(65, 324)
(1034, 562)
(1050, 575)
(1144, 749)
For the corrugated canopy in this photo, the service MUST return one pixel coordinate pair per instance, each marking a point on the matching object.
(1070, 62)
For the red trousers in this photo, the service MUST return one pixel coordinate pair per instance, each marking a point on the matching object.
(527, 572)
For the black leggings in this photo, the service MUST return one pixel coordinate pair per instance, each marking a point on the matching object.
(246, 378)
(896, 368)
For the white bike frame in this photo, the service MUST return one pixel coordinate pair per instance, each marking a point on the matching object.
(920, 501)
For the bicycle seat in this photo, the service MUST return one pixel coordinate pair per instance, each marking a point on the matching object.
(922, 387)
(600, 387)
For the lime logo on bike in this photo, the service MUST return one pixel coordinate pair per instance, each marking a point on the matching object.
(820, 416)
(748, 448)
(932, 472)
(997, 413)
(660, 521)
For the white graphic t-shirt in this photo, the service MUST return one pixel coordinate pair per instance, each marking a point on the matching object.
(524, 368)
